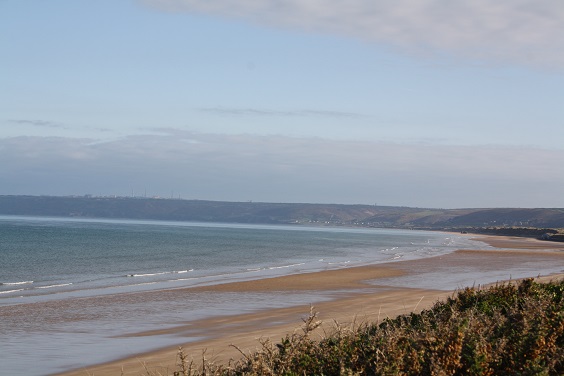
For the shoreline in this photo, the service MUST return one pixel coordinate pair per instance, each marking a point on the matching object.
(359, 294)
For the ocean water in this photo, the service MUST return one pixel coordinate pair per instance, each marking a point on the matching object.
(51, 258)
(70, 289)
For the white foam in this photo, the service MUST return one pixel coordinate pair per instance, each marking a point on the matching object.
(142, 284)
(160, 273)
(285, 266)
(182, 279)
(51, 286)
(339, 263)
(16, 283)
(10, 291)
(149, 274)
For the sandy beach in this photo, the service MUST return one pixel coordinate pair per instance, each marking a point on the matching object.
(359, 294)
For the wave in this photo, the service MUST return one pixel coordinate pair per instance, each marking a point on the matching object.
(286, 266)
(141, 284)
(10, 291)
(147, 274)
(16, 283)
(160, 273)
(274, 267)
(51, 286)
(340, 263)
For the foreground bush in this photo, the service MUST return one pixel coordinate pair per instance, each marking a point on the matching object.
(506, 329)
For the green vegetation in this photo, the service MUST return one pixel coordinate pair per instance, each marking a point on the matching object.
(507, 329)
(509, 221)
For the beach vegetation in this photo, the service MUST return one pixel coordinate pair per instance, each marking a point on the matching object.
(506, 329)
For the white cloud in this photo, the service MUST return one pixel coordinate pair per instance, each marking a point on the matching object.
(284, 169)
(507, 31)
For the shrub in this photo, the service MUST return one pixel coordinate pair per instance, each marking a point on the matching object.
(506, 329)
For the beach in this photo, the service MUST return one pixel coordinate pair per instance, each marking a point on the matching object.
(357, 294)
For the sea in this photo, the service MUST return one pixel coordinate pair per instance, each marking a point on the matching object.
(71, 290)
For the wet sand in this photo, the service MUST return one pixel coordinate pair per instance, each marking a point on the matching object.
(360, 294)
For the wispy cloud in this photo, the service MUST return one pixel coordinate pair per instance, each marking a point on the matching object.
(38, 123)
(225, 111)
(515, 31)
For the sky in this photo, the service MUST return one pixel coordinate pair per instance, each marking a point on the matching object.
(423, 103)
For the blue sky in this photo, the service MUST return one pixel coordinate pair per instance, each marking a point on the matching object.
(418, 103)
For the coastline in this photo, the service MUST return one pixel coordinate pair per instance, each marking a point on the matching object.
(359, 294)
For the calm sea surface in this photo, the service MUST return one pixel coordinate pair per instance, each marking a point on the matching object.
(69, 288)
(48, 258)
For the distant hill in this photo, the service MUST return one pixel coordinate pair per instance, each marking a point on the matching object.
(279, 213)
